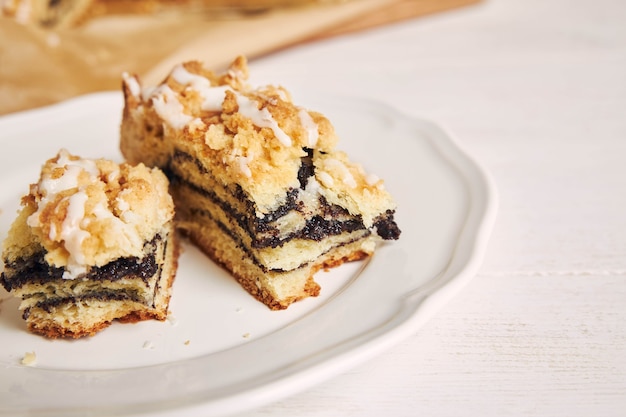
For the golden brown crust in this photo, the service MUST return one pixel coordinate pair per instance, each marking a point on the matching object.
(53, 331)
(310, 288)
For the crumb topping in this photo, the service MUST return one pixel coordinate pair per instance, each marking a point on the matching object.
(89, 212)
(347, 184)
(255, 137)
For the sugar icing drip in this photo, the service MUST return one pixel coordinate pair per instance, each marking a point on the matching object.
(167, 106)
(261, 118)
(346, 175)
(310, 127)
(212, 97)
(73, 235)
(184, 77)
(243, 164)
(71, 232)
(213, 100)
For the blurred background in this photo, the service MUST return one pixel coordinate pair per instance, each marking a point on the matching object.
(54, 50)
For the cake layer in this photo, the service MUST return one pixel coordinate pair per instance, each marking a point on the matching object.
(276, 289)
(283, 245)
(304, 214)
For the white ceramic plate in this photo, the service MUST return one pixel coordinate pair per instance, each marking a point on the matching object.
(222, 351)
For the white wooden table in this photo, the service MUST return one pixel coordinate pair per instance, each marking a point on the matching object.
(536, 91)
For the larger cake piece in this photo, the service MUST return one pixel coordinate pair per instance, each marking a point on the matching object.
(93, 242)
(257, 181)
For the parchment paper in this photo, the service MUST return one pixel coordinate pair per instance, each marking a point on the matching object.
(40, 66)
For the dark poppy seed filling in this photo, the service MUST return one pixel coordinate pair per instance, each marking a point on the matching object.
(50, 304)
(231, 212)
(176, 175)
(307, 169)
(35, 270)
(386, 227)
(314, 224)
(261, 230)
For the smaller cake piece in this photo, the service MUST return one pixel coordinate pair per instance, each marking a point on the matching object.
(93, 242)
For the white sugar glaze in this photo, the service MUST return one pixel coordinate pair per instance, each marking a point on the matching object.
(73, 235)
(168, 107)
(346, 175)
(261, 118)
(212, 97)
(310, 126)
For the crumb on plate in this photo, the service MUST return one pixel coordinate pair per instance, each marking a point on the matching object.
(29, 359)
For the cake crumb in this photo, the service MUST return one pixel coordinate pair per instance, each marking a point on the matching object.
(246, 335)
(187, 342)
(29, 359)
(148, 345)
(172, 319)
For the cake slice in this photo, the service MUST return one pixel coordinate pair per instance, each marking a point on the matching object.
(257, 181)
(93, 242)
